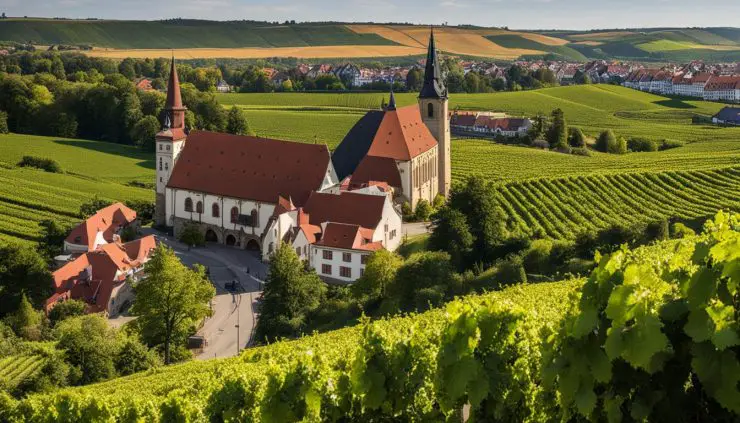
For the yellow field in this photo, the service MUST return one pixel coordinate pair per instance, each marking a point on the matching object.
(589, 43)
(256, 53)
(542, 39)
(607, 35)
(455, 40)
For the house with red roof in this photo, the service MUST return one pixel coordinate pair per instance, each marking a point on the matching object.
(723, 88)
(144, 84)
(101, 228)
(691, 85)
(100, 277)
(335, 234)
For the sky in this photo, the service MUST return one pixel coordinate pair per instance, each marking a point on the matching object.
(515, 14)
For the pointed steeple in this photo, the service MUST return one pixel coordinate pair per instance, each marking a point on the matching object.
(173, 105)
(392, 102)
(433, 84)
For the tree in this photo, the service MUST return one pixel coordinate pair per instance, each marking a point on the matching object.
(91, 207)
(3, 122)
(143, 133)
(576, 138)
(291, 292)
(424, 278)
(52, 238)
(557, 135)
(452, 234)
(414, 79)
(605, 139)
(89, 345)
(192, 236)
(127, 69)
(133, 356)
(67, 309)
(476, 200)
(380, 271)
(236, 123)
(25, 320)
(57, 68)
(170, 300)
(472, 83)
(22, 272)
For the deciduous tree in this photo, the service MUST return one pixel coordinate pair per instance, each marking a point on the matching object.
(237, 123)
(170, 300)
(22, 271)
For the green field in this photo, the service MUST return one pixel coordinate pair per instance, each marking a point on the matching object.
(15, 369)
(181, 34)
(545, 192)
(28, 196)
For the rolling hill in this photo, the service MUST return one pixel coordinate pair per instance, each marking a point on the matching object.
(249, 39)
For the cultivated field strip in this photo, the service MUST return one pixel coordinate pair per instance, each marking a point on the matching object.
(563, 207)
(16, 368)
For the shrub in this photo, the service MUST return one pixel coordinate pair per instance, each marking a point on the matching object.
(439, 201)
(407, 211)
(656, 230)
(423, 210)
(66, 309)
(3, 123)
(667, 144)
(47, 165)
(510, 271)
(605, 138)
(576, 138)
(641, 145)
(679, 230)
(540, 144)
(192, 236)
(580, 151)
(537, 257)
(619, 147)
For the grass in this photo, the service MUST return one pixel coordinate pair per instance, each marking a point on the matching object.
(90, 168)
(669, 45)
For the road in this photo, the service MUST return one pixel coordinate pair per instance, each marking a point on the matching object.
(234, 313)
(411, 229)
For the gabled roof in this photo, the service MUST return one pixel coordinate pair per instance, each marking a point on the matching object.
(347, 207)
(356, 143)
(463, 119)
(107, 220)
(402, 135)
(348, 237)
(252, 168)
(721, 83)
(373, 168)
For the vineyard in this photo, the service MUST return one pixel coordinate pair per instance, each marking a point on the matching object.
(17, 368)
(562, 208)
(619, 346)
(29, 196)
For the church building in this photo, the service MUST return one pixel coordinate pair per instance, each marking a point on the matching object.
(334, 209)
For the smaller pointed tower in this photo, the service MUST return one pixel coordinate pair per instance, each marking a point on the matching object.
(168, 144)
(433, 106)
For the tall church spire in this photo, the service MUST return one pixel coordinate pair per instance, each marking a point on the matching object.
(434, 86)
(173, 105)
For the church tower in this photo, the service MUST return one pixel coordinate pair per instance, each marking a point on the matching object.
(169, 142)
(434, 113)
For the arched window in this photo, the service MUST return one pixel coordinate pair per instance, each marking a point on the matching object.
(188, 204)
(234, 215)
(430, 110)
(160, 163)
(255, 218)
(199, 207)
(215, 210)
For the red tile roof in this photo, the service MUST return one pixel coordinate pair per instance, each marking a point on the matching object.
(348, 207)
(373, 168)
(108, 220)
(91, 277)
(463, 120)
(252, 168)
(701, 77)
(402, 135)
(348, 237)
(174, 98)
(721, 83)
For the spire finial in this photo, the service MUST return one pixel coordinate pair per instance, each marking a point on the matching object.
(392, 101)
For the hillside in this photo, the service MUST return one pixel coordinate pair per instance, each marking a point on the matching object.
(90, 168)
(245, 39)
(206, 385)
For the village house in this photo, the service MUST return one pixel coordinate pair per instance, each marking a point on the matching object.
(691, 85)
(144, 84)
(727, 116)
(103, 227)
(101, 277)
(488, 123)
(256, 193)
(223, 87)
(723, 88)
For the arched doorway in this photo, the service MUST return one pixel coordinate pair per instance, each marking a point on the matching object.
(230, 240)
(253, 245)
(211, 236)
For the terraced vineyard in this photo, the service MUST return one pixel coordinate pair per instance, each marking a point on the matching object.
(563, 207)
(17, 368)
(28, 196)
